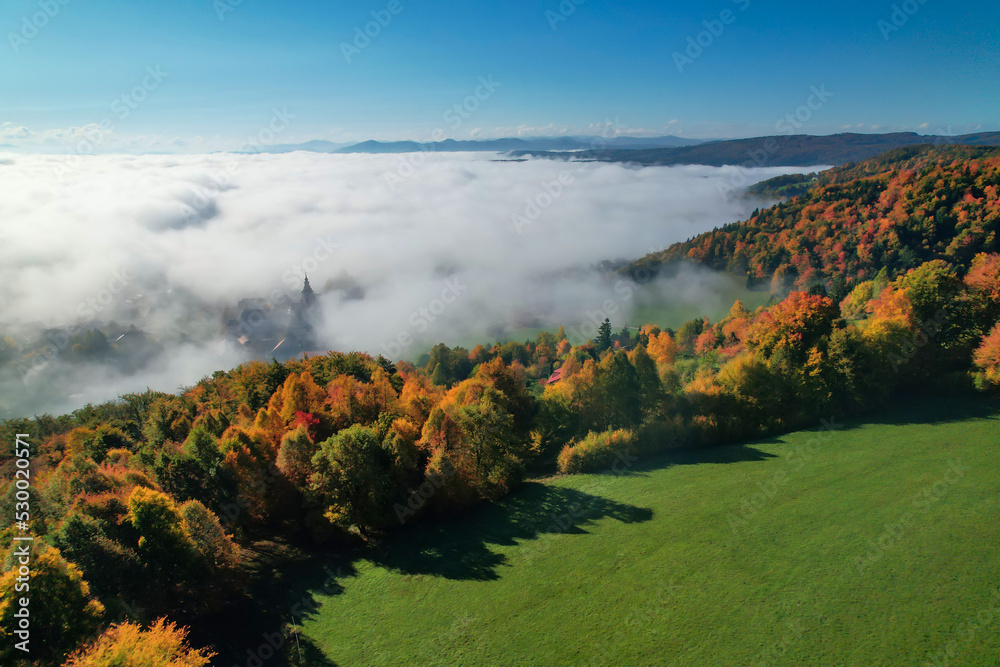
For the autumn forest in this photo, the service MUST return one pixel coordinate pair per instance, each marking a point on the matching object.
(151, 512)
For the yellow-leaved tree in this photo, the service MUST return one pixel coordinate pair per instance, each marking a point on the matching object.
(62, 613)
(128, 645)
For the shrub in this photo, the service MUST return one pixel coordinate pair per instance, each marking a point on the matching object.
(660, 435)
(597, 451)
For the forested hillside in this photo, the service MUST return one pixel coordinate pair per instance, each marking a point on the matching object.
(894, 212)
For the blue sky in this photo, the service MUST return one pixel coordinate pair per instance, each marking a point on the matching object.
(226, 65)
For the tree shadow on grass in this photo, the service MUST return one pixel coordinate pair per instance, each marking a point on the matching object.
(460, 548)
(292, 585)
(728, 453)
(923, 410)
(903, 412)
(307, 654)
(929, 410)
(257, 630)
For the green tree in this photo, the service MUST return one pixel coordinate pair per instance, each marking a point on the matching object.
(352, 477)
(687, 335)
(295, 456)
(497, 454)
(650, 385)
(164, 544)
(556, 423)
(107, 564)
(941, 307)
(215, 549)
(617, 394)
(439, 375)
(203, 447)
(547, 339)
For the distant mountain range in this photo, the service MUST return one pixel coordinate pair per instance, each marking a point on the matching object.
(799, 150)
(583, 143)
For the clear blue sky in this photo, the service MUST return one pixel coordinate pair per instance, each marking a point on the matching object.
(608, 59)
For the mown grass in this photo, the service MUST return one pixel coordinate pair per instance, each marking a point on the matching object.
(736, 555)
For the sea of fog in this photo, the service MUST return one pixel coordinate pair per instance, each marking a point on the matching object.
(403, 250)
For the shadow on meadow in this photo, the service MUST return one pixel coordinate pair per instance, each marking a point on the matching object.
(307, 654)
(289, 581)
(923, 410)
(931, 410)
(459, 548)
(696, 455)
(257, 630)
(903, 412)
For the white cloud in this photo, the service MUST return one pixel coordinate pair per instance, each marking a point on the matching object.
(11, 132)
(191, 246)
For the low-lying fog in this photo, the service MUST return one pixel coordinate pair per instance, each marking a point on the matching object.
(402, 250)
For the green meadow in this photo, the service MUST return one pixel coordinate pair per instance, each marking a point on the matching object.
(648, 304)
(873, 542)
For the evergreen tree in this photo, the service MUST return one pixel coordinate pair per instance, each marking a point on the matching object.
(624, 337)
(603, 340)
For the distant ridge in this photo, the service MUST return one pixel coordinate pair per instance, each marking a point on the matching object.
(801, 150)
(504, 145)
(517, 144)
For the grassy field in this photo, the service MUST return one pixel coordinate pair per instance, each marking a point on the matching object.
(650, 306)
(872, 543)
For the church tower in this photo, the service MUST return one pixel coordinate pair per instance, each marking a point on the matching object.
(305, 317)
(308, 296)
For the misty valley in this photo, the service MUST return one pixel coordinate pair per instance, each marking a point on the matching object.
(463, 270)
